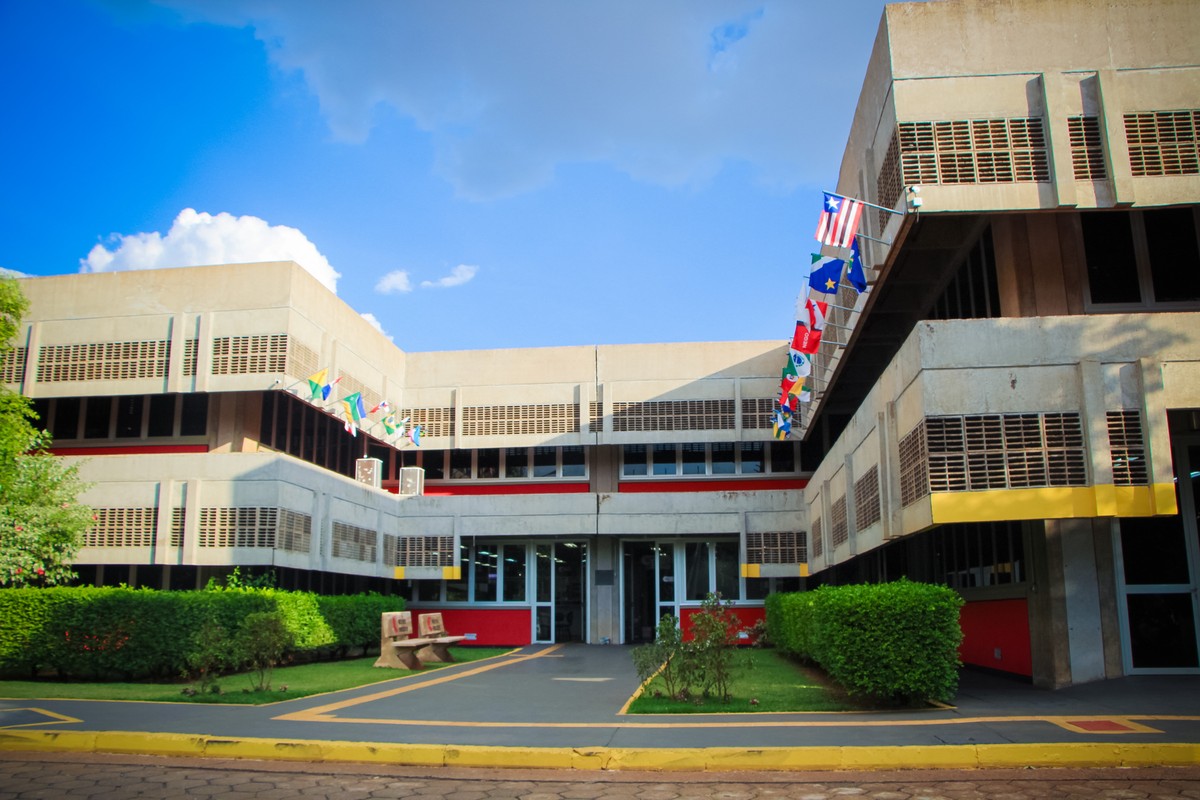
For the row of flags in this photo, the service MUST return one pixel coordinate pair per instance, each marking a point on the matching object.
(837, 227)
(355, 412)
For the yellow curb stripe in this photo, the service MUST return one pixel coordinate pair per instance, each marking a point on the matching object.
(712, 759)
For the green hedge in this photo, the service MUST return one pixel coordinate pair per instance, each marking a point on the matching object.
(890, 642)
(127, 634)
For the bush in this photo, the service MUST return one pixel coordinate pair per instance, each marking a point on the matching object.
(354, 618)
(704, 664)
(111, 633)
(261, 643)
(894, 643)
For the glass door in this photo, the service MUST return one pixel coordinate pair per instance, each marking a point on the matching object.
(560, 592)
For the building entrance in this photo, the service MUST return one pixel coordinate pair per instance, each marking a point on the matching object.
(560, 581)
(1158, 578)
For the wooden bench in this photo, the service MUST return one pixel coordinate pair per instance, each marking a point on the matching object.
(396, 649)
(433, 630)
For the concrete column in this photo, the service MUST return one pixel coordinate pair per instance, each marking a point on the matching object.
(1058, 138)
(1116, 146)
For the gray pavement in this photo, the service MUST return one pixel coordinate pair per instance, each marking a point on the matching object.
(561, 707)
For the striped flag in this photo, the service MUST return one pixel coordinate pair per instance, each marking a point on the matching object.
(839, 220)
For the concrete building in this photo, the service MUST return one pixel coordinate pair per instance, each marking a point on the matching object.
(1013, 408)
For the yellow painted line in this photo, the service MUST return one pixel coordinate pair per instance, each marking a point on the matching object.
(55, 718)
(711, 759)
(322, 713)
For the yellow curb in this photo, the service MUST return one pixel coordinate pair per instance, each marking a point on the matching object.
(509, 757)
(408, 755)
(153, 744)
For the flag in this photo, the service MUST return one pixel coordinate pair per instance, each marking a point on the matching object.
(355, 408)
(317, 384)
(389, 424)
(351, 428)
(787, 380)
(381, 406)
(856, 275)
(839, 220)
(814, 313)
(801, 362)
(807, 338)
(781, 423)
(802, 391)
(415, 435)
(825, 274)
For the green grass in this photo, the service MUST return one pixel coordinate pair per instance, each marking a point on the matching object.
(301, 680)
(774, 680)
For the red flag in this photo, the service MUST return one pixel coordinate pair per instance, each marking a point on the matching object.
(839, 220)
(807, 338)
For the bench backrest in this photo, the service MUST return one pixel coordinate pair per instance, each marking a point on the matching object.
(396, 625)
(431, 624)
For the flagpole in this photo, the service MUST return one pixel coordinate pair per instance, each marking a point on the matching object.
(869, 205)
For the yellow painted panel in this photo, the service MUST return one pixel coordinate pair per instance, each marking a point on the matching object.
(452, 573)
(1055, 502)
(399, 574)
(750, 570)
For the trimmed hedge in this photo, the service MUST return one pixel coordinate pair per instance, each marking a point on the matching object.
(894, 643)
(117, 633)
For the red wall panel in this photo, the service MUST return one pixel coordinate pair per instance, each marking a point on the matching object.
(491, 626)
(996, 635)
(732, 485)
(748, 616)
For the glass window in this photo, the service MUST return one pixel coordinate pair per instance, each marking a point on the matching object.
(694, 459)
(728, 570)
(573, 465)
(1111, 261)
(664, 459)
(408, 458)
(723, 462)
(487, 462)
(516, 462)
(265, 424)
(666, 572)
(66, 418)
(783, 457)
(99, 411)
(633, 460)
(434, 462)
(752, 458)
(41, 407)
(545, 573)
(162, 415)
(757, 588)
(194, 418)
(545, 462)
(460, 464)
(486, 554)
(514, 573)
(129, 416)
(1174, 254)
(696, 565)
(1154, 550)
(457, 590)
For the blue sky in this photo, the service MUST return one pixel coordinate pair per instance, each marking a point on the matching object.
(470, 173)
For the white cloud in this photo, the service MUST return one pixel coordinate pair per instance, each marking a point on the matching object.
(395, 282)
(375, 323)
(197, 239)
(668, 92)
(457, 277)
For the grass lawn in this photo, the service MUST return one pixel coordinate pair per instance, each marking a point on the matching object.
(301, 680)
(775, 681)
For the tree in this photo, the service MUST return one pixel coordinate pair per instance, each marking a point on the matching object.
(41, 521)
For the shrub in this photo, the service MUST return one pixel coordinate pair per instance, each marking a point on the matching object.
(354, 618)
(662, 656)
(715, 630)
(260, 644)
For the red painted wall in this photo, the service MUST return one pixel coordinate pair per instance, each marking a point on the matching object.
(492, 626)
(991, 625)
(499, 488)
(732, 485)
(748, 617)
(129, 450)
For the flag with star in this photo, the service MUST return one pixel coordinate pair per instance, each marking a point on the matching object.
(839, 220)
(825, 274)
(855, 274)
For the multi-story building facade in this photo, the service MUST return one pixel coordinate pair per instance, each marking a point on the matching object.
(1013, 408)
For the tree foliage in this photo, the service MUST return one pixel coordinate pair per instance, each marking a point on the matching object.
(41, 520)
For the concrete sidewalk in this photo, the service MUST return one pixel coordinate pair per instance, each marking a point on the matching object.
(561, 707)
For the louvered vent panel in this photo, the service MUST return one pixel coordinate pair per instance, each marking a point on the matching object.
(673, 415)
(302, 359)
(866, 499)
(250, 355)
(419, 551)
(1087, 153)
(434, 422)
(818, 544)
(775, 547)
(237, 527)
(348, 385)
(353, 542)
(915, 469)
(191, 347)
(178, 523)
(595, 417)
(889, 185)
(756, 413)
(103, 361)
(1128, 447)
(840, 529)
(973, 151)
(295, 531)
(12, 365)
(1163, 142)
(123, 527)
(548, 418)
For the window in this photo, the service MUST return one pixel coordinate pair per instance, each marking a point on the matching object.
(1141, 258)
(694, 460)
(696, 566)
(514, 573)
(783, 457)
(460, 464)
(66, 418)
(723, 462)
(129, 416)
(573, 465)
(516, 462)
(634, 460)
(488, 463)
(545, 462)
(664, 459)
(97, 417)
(752, 458)
(194, 417)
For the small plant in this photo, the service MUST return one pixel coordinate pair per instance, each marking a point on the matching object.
(715, 629)
(663, 656)
(209, 656)
(261, 643)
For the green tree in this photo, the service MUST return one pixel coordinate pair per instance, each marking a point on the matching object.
(41, 520)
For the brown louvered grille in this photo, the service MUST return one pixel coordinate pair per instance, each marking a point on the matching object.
(1087, 153)
(888, 185)
(548, 418)
(249, 355)
(1163, 142)
(866, 499)
(178, 523)
(348, 385)
(103, 361)
(818, 542)
(418, 551)
(237, 527)
(353, 542)
(973, 151)
(302, 360)
(840, 529)
(756, 413)
(12, 365)
(595, 416)
(995, 451)
(775, 547)
(191, 347)
(295, 531)
(123, 527)
(1128, 447)
(915, 471)
(434, 422)
(673, 415)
